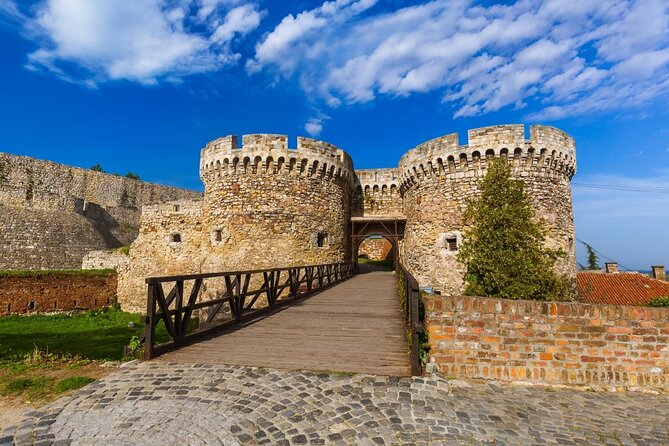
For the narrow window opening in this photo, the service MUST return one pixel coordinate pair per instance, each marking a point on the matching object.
(55, 304)
(176, 238)
(218, 235)
(9, 308)
(176, 208)
(75, 304)
(452, 244)
(31, 305)
(321, 239)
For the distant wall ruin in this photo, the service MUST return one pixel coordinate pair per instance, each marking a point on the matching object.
(52, 215)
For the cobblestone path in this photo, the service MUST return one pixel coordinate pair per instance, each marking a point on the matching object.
(174, 404)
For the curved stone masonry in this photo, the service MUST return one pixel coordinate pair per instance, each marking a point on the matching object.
(548, 149)
(440, 176)
(270, 153)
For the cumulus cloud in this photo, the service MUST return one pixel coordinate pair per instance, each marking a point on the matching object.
(570, 59)
(143, 40)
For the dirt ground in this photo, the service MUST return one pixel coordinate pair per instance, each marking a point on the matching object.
(13, 406)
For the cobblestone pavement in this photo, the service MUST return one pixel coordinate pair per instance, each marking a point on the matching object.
(172, 404)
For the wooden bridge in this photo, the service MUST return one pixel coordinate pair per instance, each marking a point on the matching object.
(321, 318)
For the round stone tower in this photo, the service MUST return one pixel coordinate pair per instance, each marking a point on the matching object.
(439, 176)
(266, 205)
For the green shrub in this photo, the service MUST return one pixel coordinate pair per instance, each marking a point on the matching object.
(659, 302)
(21, 385)
(503, 247)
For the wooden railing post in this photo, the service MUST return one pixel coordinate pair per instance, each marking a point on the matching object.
(178, 316)
(150, 327)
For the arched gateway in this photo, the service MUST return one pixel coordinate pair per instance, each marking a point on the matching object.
(390, 228)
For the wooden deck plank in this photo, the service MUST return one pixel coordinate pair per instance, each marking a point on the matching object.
(355, 326)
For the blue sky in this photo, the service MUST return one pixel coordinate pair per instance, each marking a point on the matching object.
(141, 86)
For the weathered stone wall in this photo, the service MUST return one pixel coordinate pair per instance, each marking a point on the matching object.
(51, 215)
(56, 292)
(376, 249)
(377, 194)
(105, 259)
(549, 342)
(439, 176)
(265, 205)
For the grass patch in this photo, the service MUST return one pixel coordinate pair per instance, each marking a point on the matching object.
(57, 272)
(89, 335)
(21, 385)
(73, 383)
(383, 263)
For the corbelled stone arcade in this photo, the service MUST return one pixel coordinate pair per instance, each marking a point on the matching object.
(267, 205)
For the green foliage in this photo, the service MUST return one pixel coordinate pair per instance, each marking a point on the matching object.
(132, 176)
(593, 260)
(56, 272)
(125, 250)
(503, 246)
(659, 302)
(97, 168)
(72, 383)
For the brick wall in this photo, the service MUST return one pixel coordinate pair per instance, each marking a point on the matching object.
(556, 343)
(46, 293)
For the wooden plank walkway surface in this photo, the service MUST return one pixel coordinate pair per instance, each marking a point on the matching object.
(355, 326)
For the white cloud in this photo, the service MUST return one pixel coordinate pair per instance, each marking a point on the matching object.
(142, 40)
(314, 125)
(240, 20)
(572, 59)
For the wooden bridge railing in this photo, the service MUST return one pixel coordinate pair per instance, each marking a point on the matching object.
(233, 302)
(410, 301)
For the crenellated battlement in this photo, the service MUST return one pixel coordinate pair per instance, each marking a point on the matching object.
(549, 150)
(382, 181)
(269, 153)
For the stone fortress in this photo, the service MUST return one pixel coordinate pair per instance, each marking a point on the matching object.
(267, 205)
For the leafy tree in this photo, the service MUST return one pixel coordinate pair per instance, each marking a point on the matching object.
(593, 260)
(132, 176)
(97, 168)
(503, 247)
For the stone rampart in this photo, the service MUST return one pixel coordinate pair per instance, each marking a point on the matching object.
(437, 178)
(549, 342)
(377, 194)
(52, 215)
